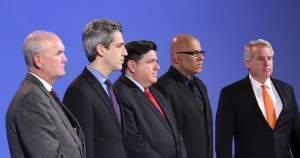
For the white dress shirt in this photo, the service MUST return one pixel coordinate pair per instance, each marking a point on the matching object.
(256, 86)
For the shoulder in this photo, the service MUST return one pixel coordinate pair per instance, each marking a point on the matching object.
(237, 85)
(30, 98)
(278, 82)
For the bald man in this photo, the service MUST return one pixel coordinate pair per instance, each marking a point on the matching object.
(188, 95)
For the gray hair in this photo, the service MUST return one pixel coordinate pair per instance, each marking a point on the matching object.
(97, 32)
(258, 42)
(35, 43)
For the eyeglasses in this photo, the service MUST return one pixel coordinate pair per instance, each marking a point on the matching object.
(195, 53)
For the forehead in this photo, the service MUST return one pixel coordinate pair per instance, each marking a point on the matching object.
(150, 55)
(189, 45)
(117, 37)
(260, 50)
(54, 42)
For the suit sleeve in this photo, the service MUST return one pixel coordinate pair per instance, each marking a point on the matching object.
(224, 126)
(78, 103)
(36, 129)
(137, 145)
(295, 136)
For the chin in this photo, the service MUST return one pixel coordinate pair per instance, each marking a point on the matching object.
(154, 81)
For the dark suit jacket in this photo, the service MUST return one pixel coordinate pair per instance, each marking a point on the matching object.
(37, 125)
(90, 104)
(148, 133)
(240, 117)
(195, 128)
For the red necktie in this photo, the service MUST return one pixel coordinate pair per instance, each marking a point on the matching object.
(269, 107)
(153, 100)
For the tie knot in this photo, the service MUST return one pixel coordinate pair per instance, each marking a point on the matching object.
(264, 86)
(108, 83)
(52, 92)
(146, 90)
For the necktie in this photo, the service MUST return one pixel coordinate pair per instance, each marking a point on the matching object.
(53, 93)
(113, 99)
(66, 111)
(196, 93)
(269, 107)
(153, 100)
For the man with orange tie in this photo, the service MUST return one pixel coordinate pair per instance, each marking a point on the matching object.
(258, 112)
(151, 130)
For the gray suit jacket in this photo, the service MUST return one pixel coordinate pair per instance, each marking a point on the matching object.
(39, 127)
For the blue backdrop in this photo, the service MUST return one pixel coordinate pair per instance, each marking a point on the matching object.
(223, 27)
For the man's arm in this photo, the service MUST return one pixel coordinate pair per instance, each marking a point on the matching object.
(78, 103)
(224, 126)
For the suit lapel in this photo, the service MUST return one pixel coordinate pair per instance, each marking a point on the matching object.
(168, 119)
(285, 108)
(59, 110)
(142, 97)
(250, 98)
(189, 95)
(102, 94)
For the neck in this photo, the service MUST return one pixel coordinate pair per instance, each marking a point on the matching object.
(42, 75)
(102, 68)
(189, 76)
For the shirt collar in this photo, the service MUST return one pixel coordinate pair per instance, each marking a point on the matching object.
(44, 83)
(257, 84)
(135, 82)
(101, 78)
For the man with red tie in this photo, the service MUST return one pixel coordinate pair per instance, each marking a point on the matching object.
(151, 130)
(258, 112)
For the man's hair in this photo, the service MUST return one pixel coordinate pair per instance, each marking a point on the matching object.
(136, 50)
(258, 42)
(97, 32)
(35, 43)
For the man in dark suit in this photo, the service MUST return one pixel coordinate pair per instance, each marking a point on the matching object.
(188, 95)
(37, 123)
(90, 96)
(258, 112)
(151, 130)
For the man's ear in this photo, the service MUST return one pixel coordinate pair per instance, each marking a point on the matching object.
(176, 59)
(37, 61)
(247, 63)
(131, 65)
(100, 49)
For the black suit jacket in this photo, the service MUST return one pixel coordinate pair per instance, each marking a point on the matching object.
(148, 133)
(90, 104)
(195, 128)
(240, 117)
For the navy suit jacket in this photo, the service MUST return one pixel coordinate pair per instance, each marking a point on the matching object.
(91, 105)
(240, 117)
(148, 133)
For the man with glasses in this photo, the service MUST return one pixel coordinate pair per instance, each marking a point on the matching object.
(188, 95)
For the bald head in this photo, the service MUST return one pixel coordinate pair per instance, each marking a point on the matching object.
(186, 54)
(184, 42)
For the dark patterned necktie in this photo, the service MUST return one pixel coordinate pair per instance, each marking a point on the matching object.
(113, 99)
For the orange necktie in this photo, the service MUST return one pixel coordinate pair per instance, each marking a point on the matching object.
(269, 107)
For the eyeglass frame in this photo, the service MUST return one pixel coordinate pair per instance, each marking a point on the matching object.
(195, 53)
